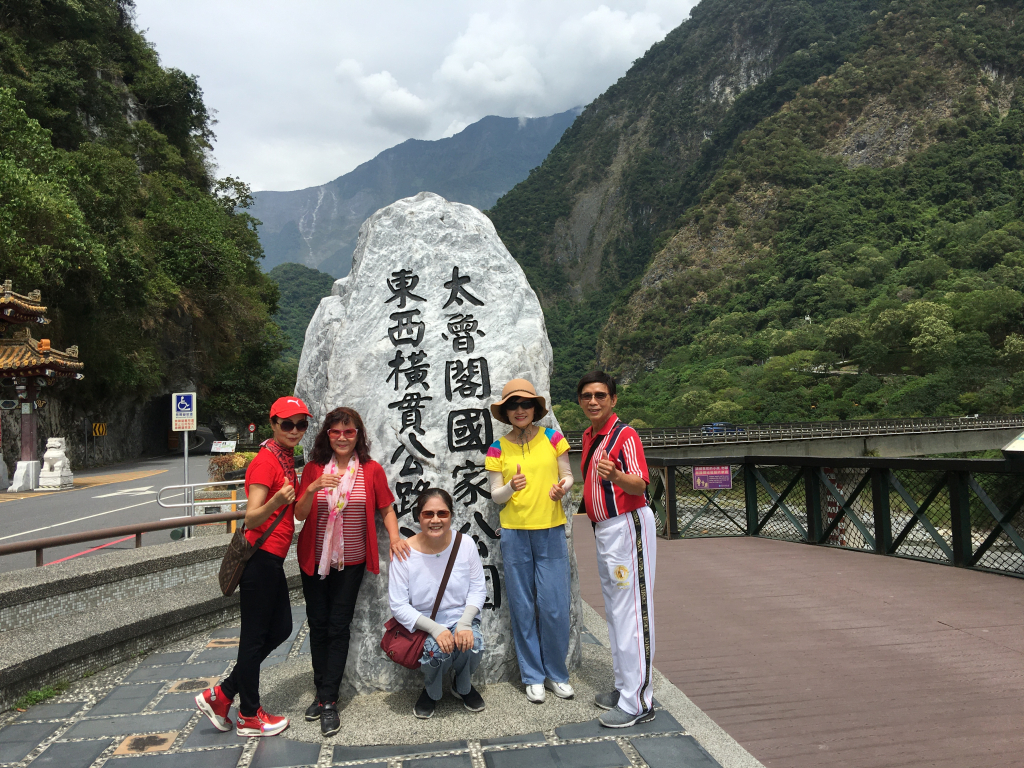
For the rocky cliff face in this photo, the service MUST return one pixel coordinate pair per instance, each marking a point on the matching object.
(318, 226)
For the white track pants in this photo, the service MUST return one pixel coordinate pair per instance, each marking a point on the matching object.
(626, 559)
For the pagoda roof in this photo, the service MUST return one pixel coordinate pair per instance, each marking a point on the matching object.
(24, 356)
(18, 308)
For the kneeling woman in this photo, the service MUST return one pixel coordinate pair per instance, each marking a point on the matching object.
(341, 490)
(455, 642)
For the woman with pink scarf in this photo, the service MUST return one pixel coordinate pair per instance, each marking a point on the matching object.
(342, 488)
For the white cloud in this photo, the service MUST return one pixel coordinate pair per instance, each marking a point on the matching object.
(306, 91)
(391, 106)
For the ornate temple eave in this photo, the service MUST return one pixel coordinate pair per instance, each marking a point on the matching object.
(19, 308)
(24, 356)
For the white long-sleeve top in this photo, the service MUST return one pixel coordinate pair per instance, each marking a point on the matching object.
(413, 584)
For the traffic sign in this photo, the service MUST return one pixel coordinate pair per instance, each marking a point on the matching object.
(99, 429)
(183, 411)
(251, 428)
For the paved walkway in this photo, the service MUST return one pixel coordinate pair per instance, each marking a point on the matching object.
(141, 714)
(811, 656)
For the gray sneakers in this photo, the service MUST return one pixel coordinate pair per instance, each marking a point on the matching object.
(618, 718)
(607, 700)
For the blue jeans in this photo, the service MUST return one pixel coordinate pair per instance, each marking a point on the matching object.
(436, 663)
(537, 586)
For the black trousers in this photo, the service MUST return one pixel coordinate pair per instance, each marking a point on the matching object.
(330, 604)
(266, 623)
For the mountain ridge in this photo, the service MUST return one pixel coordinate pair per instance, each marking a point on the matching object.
(317, 226)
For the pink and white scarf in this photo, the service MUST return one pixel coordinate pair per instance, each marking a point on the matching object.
(333, 554)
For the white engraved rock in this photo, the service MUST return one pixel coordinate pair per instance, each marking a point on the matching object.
(56, 470)
(434, 318)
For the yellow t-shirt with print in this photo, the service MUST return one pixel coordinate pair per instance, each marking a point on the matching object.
(530, 508)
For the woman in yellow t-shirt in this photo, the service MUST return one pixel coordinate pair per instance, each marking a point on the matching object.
(530, 473)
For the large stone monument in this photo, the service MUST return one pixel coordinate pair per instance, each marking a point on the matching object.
(434, 318)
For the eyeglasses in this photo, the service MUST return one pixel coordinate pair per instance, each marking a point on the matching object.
(348, 434)
(599, 396)
(430, 514)
(289, 426)
(515, 405)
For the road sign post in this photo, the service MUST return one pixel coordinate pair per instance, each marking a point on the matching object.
(252, 432)
(183, 419)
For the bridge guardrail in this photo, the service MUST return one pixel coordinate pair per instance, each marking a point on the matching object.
(811, 430)
(960, 512)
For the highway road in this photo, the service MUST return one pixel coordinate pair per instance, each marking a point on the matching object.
(116, 495)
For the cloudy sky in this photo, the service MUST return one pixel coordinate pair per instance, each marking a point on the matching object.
(304, 91)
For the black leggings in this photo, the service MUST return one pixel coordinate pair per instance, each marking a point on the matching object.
(266, 623)
(330, 604)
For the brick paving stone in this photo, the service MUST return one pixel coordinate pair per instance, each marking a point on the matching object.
(52, 711)
(74, 754)
(213, 758)
(130, 724)
(226, 632)
(219, 654)
(205, 735)
(185, 700)
(526, 738)
(165, 658)
(126, 699)
(594, 754)
(282, 753)
(673, 752)
(178, 672)
(344, 753)
(18, 739)
(304, 648)
(448, 761)
(663, 722)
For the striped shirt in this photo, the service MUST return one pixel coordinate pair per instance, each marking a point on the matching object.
(602, 498)
(353, 521)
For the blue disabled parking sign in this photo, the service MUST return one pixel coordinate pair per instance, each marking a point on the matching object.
(183, 411)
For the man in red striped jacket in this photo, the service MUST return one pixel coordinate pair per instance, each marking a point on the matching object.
(614, 485)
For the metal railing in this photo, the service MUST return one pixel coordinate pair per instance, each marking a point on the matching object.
(137, 529)
(961, 512)
(810, 430)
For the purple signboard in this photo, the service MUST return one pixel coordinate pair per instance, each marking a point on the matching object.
(712, 478)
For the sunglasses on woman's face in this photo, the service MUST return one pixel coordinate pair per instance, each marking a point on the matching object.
(348, 434)
(515, 405)
(430, 514)
(289, 426)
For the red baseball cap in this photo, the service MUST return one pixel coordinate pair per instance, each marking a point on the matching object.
(286, 407)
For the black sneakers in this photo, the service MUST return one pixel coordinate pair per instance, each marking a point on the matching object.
(424, 706)
(330, 722)
(313, 712)
(473, 701)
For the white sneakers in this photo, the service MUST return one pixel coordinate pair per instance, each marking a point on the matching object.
(536, 694)
(561, 690)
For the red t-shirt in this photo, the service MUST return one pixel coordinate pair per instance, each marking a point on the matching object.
(266, 470)
(378, 496)
(603, 498)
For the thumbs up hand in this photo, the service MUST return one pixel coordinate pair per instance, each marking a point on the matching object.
(518, 479)
(606, 468)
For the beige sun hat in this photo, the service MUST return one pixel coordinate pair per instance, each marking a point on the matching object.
(519, 388)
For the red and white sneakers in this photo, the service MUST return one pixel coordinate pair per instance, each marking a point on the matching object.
(260, 724)
(215, 705)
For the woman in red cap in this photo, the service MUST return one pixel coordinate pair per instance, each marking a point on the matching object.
(265, 609)
(342, 491)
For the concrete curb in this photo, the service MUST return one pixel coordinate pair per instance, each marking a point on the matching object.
(719, 744)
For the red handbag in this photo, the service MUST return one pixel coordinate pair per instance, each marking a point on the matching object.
(404, 647)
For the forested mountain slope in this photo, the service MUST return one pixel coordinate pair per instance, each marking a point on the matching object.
(108, 206)
(318, 226)
(841, 240)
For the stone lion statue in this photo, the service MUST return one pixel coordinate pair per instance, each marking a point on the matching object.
(55, 460)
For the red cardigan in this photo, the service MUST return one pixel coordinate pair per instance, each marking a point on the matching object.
(378, 496)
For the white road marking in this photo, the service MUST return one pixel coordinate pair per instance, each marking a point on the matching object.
(141, 491)
(87, 517)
